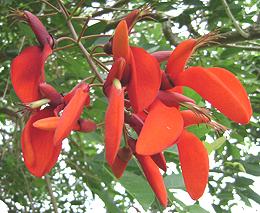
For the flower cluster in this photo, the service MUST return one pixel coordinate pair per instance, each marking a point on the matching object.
(46, 128)
(142, 98)
(148, 99)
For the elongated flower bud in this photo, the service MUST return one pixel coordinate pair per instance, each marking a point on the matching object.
(51, 93)
(39, 30)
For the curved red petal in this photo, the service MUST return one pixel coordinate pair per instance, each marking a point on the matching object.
(39, 153)
(190, 118)
(162, 127)
(179, 57)
(27, 71)
(132, 18)
(159, 159)
(194, 164)
(116, 71)
(70, 115)
(122, 158)
(145, 79)
(120, 46)
(114, 120)
(152, 174)
(221, 88)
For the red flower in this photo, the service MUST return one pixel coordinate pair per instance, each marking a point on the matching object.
(145, 78)
(44, 131)
(218, 86)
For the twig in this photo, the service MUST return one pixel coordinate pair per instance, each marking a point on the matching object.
(49, 4)
(236, 25)
(64, 38)
(169, 35)
(6, 87)
(75, 9)
(81, 46)
(83, 29)
(95, 36)
(248, 48)
(53, 200)
(107, 10)
(64, 47)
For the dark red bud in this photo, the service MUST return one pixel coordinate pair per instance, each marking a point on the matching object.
(171, 99)
(135, 122)
(166, 82)
(58, 109)
(108, 48)
(160, 161)
(123, 157)
(161, 55)
(87, 125)
(39, 30)
(48, 91)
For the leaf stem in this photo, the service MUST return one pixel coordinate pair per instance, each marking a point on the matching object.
(81, 46)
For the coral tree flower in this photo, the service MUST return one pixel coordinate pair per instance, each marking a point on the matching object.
(216, 85)
(139, 73)
(41, 138)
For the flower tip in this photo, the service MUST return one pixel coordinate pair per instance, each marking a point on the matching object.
(49, 123)
(117, 84)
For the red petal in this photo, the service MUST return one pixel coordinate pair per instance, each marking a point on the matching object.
(145, 79)
(114, 120)
(190, 118)
(194, 164)
(120, 46)
(162, 127)
(179, 57)
(152, 174)
(70, 115)
(39, 153)
(116, 71)
(122, 158)
(49, 123)
(159, 159)
(39, 30)
(27, 71)
(70, 95)
(132, 18)
(221, 88)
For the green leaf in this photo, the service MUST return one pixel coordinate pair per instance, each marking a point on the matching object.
(174, 181)
(138, 187)
(215, 145)
(196, 209)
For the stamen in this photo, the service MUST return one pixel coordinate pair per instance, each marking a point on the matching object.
(199, 111)
(18, 14)
(219, 128)
(211, 37)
